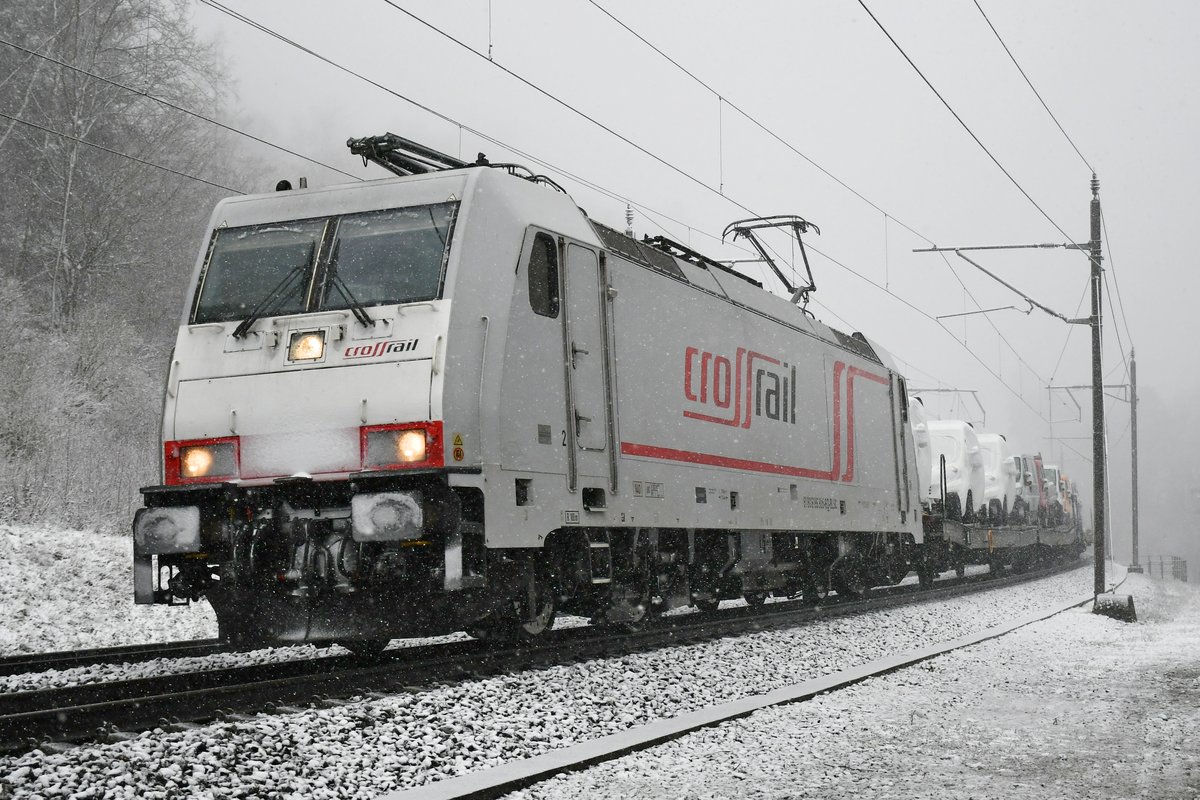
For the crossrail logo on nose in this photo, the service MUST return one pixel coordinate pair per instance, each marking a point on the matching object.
(381, 348)
(735, 391)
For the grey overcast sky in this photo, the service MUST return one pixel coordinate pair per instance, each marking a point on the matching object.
(1120, 77)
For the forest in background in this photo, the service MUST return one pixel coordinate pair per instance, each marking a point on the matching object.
(99, 228)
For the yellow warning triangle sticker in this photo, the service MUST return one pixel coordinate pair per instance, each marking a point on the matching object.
(457, 440)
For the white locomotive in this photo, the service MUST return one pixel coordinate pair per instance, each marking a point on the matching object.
(449, 400)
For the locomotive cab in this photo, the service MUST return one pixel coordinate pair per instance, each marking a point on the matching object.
(318, 470)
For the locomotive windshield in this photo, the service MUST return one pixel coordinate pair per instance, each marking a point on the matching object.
(377, 258)
(394, 256)
(247, 264)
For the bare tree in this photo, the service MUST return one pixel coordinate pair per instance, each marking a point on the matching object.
(97, 231)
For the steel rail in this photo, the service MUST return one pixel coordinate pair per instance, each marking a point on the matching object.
(114, 710)
(493, 782)
(127, 654)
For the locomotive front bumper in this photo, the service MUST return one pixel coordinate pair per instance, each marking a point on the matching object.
(410, 508)
(156, 532)
(166, 531)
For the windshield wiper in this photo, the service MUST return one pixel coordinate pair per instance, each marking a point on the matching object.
(272, 298)
(356, 307)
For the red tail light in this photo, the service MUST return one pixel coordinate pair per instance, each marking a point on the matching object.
(202, 460)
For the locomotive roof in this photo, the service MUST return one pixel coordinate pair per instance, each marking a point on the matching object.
(743, 290)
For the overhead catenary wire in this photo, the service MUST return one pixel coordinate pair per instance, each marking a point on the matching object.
(886, 215)
(1108, 375)
(1124, 431)
(308, 51)
(564, 104)
(1116, 280)
(937, 322)
(1003, 169)
(284, 149)
(684, 173)
(757, 123)
(1108, 244)
(1116, 329)
(1032, 88)
(1061, 443)
(790, 146)
(162, 167)
(648, 210)
(990, 322)
(169, 104)
(47, 41)
(963, 123)
(966, 127)
(1070, 329)
(839, 181)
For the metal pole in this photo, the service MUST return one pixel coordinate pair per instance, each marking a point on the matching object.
(1098, 477)
(1134, 450)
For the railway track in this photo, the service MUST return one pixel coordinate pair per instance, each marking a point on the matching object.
(125, 654)
(499, 781)
(118, 709)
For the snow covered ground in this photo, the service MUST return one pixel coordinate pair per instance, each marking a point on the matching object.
(65, 590)
(1075, 706)
(373, 745)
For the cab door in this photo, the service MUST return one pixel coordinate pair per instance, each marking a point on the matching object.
(588, 367)
(901, 436)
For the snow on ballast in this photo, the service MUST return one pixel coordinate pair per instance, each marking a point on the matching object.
(375, 745)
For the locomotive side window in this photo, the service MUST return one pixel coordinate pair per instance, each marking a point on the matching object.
(394, 256)
(543, 276)
(248, 264)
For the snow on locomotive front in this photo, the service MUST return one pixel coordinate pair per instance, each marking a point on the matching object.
(451, 401)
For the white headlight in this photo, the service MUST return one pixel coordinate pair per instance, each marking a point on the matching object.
(410, 446)
(306, 346)
(200, 461)
(195, 462)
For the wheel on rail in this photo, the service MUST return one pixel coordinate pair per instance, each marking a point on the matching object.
(634, 600)
(954, 509)
(816, 593)
(524, 617)
(926, 573)
(852, 588)
(755, 599)
(633, 607)
(366, 648)
(960, 568)
(851, 577)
